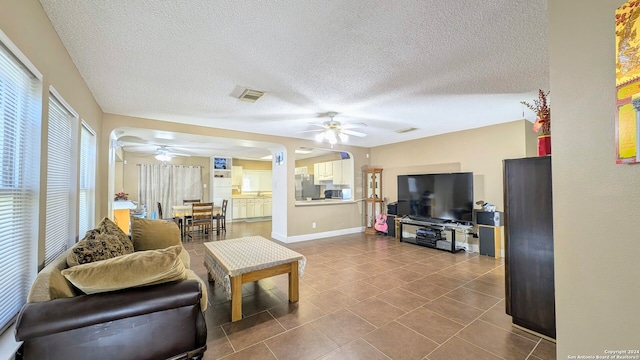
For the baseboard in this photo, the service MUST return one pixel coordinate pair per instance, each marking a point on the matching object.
(534, 332)
(314, 236)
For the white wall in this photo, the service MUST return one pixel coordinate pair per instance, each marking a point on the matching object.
(596, 212)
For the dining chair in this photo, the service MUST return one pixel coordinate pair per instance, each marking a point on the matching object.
(222, 216)
(189, 202)
(201, 217)
(160, 211)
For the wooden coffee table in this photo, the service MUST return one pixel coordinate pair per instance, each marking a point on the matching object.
(231, 263)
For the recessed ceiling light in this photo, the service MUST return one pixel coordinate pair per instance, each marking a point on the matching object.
(268, 157)
(301, 151)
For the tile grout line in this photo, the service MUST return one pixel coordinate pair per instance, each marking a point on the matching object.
(534, 349)
(465, 326)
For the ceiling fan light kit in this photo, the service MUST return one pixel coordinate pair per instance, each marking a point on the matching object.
(163, 157)
(332, 130)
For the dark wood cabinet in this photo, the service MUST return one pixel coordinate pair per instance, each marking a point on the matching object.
(530, 291)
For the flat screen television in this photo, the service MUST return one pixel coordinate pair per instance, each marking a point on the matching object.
(447, 196)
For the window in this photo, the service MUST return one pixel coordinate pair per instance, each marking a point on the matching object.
(87, 179)
(20, 124)
(60, 165)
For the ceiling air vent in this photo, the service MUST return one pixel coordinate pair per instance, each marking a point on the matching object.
(251, 95)
(402, 131)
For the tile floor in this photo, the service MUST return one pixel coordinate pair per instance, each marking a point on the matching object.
(369, 297)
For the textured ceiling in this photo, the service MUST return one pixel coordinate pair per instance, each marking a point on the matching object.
(438, 66)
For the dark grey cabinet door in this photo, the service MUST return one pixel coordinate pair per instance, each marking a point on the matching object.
(529, 244)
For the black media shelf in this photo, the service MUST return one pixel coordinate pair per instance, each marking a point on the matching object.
(434, 242)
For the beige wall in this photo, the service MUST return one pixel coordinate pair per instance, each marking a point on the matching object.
(595, 201)
(480, 151)
(28, 27)
(252, 164)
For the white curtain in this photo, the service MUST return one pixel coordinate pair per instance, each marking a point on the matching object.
(168, 185)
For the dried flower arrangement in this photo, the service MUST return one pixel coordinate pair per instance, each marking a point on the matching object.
(543, 112)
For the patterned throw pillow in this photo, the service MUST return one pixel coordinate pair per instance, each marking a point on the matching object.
(106, 241)
(106, 226)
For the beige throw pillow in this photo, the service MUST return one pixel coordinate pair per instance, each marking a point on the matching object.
(154, 234)
(137, 269)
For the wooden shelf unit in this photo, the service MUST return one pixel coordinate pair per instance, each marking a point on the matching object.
(373, 198)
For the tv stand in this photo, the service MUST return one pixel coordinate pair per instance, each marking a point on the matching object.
(413, 225)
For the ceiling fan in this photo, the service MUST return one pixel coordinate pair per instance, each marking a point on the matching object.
(165, 153)
(333, 130)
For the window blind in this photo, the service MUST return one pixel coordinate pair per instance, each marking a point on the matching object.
(59, 168)
(20, 124)
(87, 180)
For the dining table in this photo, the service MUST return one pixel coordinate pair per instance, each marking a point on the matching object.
(183, 212)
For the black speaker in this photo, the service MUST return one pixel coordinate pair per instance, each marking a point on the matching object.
(392, 209)
(391, 225)
(493, 218)
(487, 242)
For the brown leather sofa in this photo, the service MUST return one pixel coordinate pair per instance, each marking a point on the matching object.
(154, 322)
(145, 303)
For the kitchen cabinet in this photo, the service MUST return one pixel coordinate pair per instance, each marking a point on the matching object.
(251, 208)
(236, 175)
(239, 208)
(322, 172)
(342, 172)
(267, 207)
(258, 207)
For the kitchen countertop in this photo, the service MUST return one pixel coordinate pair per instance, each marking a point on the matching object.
(324, 202)
(251, 196)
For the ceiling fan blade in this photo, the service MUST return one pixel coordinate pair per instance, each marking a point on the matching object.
(352, 126)
(353, 133)
(176, 153)
(309, 131)
(323, 125)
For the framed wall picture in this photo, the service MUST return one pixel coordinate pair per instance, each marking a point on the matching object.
(279, 158)
(627, 124)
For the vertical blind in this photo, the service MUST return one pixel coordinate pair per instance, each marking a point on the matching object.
(20, 124)
(59, 196)
(87, 180)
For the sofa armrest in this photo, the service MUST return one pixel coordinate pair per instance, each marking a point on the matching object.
(59, 315)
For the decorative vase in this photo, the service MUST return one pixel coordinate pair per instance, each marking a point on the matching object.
(544, 145)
